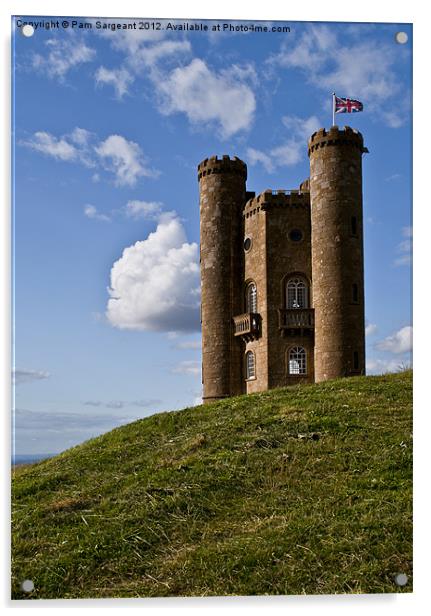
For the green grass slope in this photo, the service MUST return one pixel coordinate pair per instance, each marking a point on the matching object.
(297, 490)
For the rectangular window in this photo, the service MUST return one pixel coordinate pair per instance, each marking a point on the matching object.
(355, 293)
(250, 368)
(355, 360)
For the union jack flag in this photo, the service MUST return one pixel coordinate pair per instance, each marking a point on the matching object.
(347, 105)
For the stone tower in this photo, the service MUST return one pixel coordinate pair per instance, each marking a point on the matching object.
(282, 272)
(222, 198)
(337, 252)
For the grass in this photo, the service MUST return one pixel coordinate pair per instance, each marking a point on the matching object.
(299, 490)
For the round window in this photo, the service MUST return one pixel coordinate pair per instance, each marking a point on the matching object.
(247, 244)
(295, 235)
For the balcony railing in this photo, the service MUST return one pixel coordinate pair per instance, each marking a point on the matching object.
(246, 325)
(296, 318)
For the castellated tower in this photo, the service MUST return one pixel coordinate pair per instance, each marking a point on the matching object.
(222, 198)
(337, 252)
(282, 272)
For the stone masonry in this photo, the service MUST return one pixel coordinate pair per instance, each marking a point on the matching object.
(282, 273)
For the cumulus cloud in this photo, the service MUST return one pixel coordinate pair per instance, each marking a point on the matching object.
(405, 247)
(257, 156)
(400, 342)
(130, 41)
(91, 212)
(143, 51)
(27, 376)
(155, 283)
(150, 55)
(293, 150)
(213, 99)
(124, 159)
(188, 367)
(46, 143)
(365, 69)
(62, 56)
(120, 79)
(222, 99)
(149, 210)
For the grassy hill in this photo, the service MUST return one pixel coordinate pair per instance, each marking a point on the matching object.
(298, 490)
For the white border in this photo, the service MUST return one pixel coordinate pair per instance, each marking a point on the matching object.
(312, 10)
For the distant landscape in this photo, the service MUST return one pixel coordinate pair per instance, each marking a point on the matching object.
(30, 458)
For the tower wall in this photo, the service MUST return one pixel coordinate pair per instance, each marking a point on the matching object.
(287, 259)
(274, 258)
(222, 198)
(337, 252)
(256, 271)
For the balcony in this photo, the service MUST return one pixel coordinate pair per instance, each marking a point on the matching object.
(247, 325)
(295, 319)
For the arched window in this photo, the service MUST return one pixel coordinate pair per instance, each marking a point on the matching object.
(251, 298)
(297, 361)
(296, 293)
(250, 365)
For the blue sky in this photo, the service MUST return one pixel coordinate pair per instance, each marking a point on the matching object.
(109, 127)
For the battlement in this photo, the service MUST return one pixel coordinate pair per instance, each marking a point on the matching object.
(269, 199)
(336, 136)
(224, 164)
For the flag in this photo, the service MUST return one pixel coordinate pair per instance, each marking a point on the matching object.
(347, 105)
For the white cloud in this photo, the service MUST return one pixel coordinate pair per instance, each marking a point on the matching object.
(27, 376)
(125, 159)
(188, 367)
(155, 283)
(63, 55)
(130, 41)
(120, 79)
(370, 329)
(149, 210)
(46, 143)
(223, 99)
(293, 150)
(143, 50)
(381, 366)
(400, 342)
(257, 156)
(149, 56)
(405, 247)
(288, 154)
(363, 69)
(80, 136)
(301, 128)
(207, 97)
(91, 212)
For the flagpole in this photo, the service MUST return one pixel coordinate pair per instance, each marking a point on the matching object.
(333, 108)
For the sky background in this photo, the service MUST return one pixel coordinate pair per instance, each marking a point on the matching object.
(108, 130)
